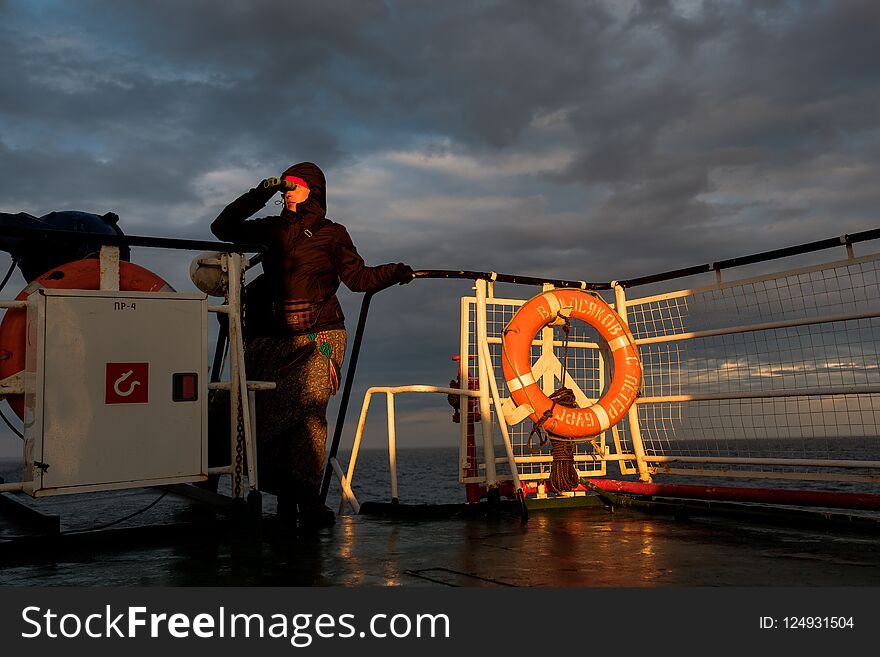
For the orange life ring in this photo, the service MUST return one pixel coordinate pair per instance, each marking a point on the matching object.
(516, 362)
(77, 275)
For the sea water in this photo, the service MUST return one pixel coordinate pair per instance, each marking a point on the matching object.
(424, 476)
(430, 475)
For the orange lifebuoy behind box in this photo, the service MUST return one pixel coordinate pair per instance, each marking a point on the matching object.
(77, 275)
(516, 362)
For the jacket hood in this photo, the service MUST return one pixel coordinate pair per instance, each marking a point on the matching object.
(315, 206)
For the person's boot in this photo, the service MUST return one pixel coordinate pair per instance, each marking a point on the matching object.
(314, 514)
(286, 509)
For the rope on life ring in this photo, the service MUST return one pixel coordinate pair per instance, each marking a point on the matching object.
(563, 473)
(552, 307)
(76, 275)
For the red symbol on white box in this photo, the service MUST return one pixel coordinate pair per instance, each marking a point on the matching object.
(127, 383)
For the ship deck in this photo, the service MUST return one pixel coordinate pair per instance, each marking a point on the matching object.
(662, 543)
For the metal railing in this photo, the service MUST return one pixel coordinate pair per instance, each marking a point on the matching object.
(691, 341)
(773, 376)
(808, 337)
(242, 392)
(345, 479)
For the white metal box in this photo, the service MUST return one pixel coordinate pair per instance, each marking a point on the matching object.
(115, 390)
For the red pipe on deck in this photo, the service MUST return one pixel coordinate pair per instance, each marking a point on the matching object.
(861, 501)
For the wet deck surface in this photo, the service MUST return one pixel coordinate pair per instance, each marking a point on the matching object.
(588, 546)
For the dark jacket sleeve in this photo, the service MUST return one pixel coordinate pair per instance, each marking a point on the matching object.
(231, 224)
(352, 271)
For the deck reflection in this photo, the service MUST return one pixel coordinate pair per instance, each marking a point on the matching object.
(584, 547)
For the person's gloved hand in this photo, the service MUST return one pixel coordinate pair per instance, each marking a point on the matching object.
(403, 274)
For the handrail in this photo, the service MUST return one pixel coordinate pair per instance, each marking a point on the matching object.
(492, 276)
(775, 254)
(52, 234)
(346, 395)
(390, 391)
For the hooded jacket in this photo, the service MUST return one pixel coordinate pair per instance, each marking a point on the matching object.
(307, 257)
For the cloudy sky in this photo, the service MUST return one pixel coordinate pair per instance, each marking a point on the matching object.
(574, 139)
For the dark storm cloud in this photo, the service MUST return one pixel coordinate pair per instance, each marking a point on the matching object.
(651, 101)
(476, 71)
(571, 139)
(771, 86)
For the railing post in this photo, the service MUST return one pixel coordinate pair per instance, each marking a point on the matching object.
(464, 455)
(633, 413)
(485, 371)
(502, 422)
(346, 394)
(109, 268)
(392, 448)
(238, 398)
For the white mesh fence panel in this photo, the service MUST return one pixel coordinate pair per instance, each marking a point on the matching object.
(772, 376)
(832, 354)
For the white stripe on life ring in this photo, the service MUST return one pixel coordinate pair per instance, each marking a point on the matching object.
(602, 415)
(553, 302)
(619, 343)
(521, 381)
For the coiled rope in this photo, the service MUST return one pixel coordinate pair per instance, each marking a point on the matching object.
(563, 475)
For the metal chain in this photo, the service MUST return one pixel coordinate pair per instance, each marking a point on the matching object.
(241, 301)
(239, 452)
(239, 438)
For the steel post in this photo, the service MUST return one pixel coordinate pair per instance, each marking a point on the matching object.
(633, 413)
(485, 371)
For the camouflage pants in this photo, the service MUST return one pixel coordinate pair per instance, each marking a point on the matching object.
(292, 419)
